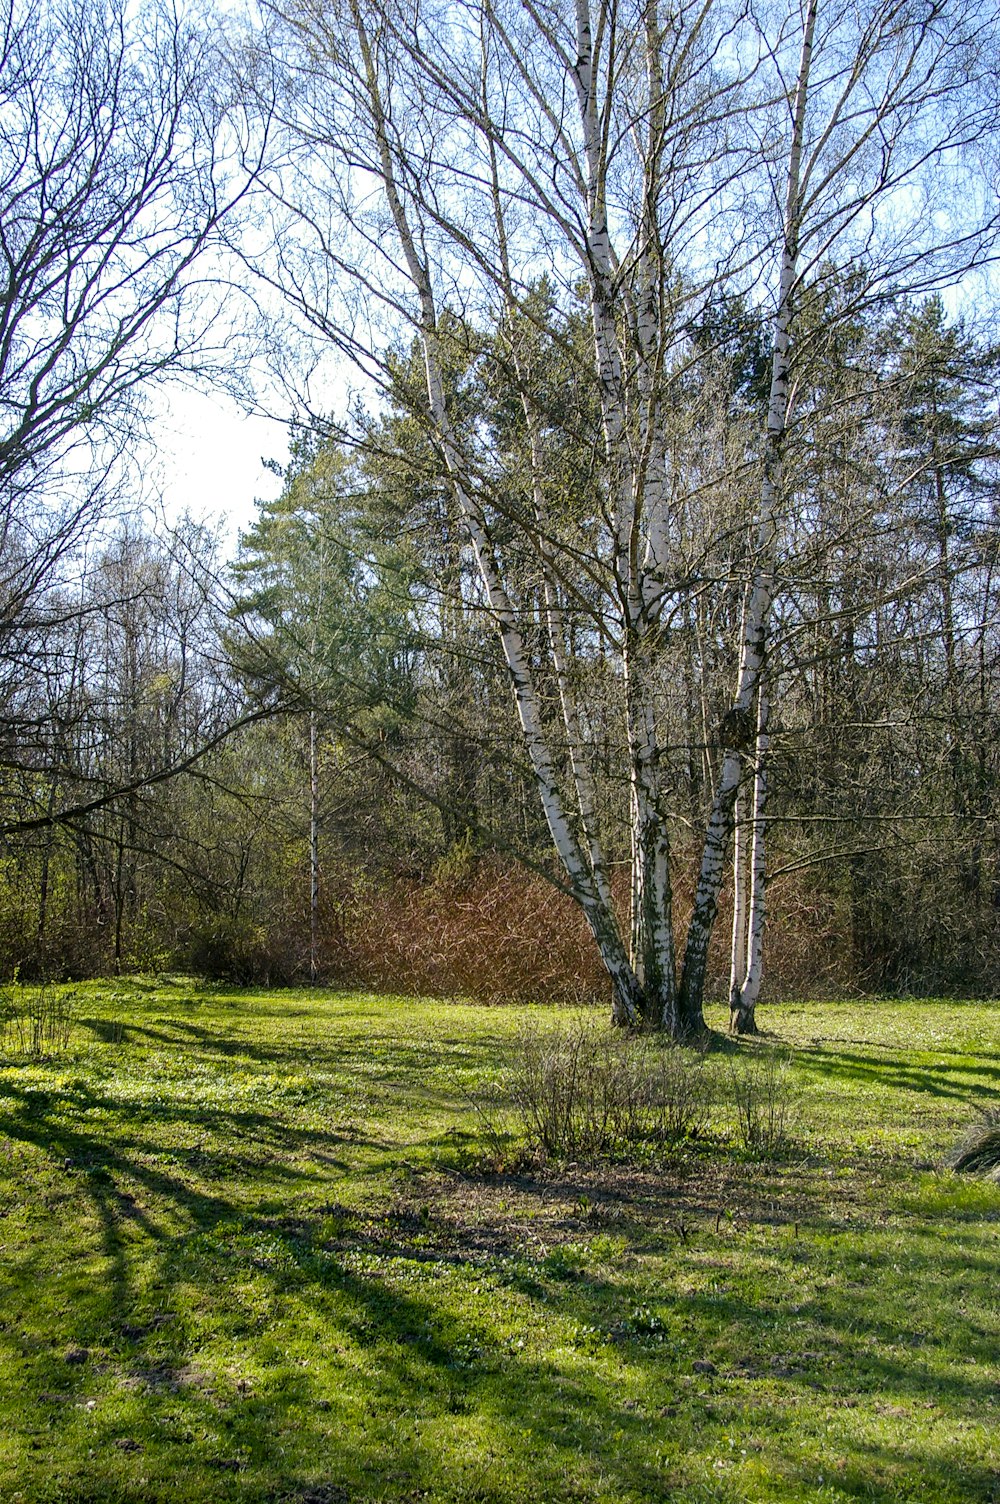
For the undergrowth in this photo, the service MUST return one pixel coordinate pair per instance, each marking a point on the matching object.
(35, 1021)
(577, 1090)
(979, 1149)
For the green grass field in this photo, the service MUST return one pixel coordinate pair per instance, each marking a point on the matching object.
(249, 1252)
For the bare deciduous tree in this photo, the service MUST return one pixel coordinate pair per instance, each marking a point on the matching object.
(121, 153)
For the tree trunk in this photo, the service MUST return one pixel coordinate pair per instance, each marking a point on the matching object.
(313, 849)
(738, 947)
(748, 967)
(652, 935)
(736, 733)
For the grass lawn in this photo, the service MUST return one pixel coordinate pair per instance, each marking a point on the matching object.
(247, 1255)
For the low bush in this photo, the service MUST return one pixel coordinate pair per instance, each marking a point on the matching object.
(580, 1091)
(246, 952)
(763, 1098)
(978, 1152)
(35, 1021)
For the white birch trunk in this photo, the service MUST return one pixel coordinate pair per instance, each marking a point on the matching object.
(652, 936)
(738, 947)
(645, 561)
(607, 347)
(758, 874)
(579, 761)
(554, 614)
(313, 849)
(736, 727)
(748, 951)
(627, 992)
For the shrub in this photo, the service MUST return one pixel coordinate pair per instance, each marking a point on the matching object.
(35, 1021)
(239, 950)
(479, 930)
(979, 1149)
(581, 1090)
(763, 1097)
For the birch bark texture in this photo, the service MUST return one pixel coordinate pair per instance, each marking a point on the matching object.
(475, 179)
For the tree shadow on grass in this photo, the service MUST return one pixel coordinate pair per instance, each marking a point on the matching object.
(376, 1058)
(321, 1351)
(898, 1071)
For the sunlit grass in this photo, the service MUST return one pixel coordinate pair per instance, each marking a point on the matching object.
(248, 1254)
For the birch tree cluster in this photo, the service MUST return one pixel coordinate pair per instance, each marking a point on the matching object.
(648, 538)
(582, 188)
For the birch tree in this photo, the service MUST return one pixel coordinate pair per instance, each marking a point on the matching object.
(643, 161)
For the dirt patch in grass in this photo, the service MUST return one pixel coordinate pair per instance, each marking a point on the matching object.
(494, 1215)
